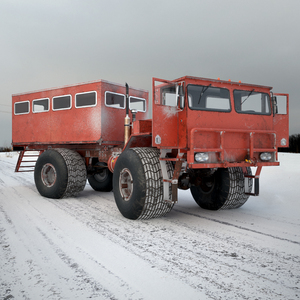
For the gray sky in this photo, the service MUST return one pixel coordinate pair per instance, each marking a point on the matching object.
(46, 44)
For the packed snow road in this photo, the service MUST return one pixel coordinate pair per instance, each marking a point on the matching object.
(82, 248)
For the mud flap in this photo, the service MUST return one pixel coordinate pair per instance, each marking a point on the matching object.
(256, 183)
(170, 183)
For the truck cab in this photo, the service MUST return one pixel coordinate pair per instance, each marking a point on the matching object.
(219, 123)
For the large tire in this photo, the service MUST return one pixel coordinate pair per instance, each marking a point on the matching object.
(138, 184)
(222, 190)
(60, 173)
(101, 181)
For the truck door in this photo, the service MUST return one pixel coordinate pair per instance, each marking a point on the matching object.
(281, 119)
(168, 106)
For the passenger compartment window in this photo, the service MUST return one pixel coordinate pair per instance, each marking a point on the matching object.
(22, 108)
(61, 102)
(251, 102)
(208, 98)
(40, 105)
(138, 104)
(114, 100)
(87, 99)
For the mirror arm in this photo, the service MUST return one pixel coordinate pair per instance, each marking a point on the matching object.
(274, 105)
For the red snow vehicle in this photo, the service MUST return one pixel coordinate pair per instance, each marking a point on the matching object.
(204, 135)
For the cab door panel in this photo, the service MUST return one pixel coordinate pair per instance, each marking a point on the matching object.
(281, 120)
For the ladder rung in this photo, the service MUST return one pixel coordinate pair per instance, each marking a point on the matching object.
(26, 166)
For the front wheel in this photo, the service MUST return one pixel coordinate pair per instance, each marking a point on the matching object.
(138, 184)
(224, 189)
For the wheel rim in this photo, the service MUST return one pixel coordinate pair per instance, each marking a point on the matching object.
(125, 184)
(207, 184)
(102, 175)
(48, 175)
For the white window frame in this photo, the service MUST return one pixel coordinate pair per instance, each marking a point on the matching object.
(55, 109)
(111, 106)
(143, 99)
(83, 106)
(25, 113)
(36, 112)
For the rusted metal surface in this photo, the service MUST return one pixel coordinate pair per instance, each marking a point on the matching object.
(281, 123)
(94, 124)
(231, 146)
(231, 138)
(139, 140)
(26, 161)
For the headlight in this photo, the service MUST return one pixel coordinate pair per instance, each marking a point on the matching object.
(201, 157)
(265, 156)
(283, 142)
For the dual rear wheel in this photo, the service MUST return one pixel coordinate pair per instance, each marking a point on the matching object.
(60, 173)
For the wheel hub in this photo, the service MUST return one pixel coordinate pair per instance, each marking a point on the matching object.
(125, 184)
(207, 184)
(48, 175)
(102, 175)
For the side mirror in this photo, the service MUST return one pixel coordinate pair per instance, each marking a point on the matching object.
(274, 105)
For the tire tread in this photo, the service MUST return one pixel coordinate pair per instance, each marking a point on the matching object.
(155, 206)
(76, 172)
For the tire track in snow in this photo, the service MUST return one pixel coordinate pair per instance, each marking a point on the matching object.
(86, 213)
(223, 264)
(34, 214)
(236, 226)
(22, 233)
(40, 269)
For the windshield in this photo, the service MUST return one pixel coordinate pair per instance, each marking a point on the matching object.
(250, 102)
(208, 98)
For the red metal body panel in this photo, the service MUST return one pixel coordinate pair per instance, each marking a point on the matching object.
(281, 124)
(97, 124)
(169, 122)
(231, 138)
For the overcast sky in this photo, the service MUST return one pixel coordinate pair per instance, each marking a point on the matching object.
(46, 44)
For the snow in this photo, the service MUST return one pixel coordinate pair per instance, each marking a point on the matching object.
(82, 248)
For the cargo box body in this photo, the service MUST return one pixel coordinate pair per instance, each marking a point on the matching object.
(88, 113)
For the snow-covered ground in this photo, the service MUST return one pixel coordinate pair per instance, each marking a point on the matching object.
(82, 248)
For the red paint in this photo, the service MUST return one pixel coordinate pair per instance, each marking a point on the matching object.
(231, 138)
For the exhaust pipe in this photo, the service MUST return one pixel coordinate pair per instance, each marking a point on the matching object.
(127, 118)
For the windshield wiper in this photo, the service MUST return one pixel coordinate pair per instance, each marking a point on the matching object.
(248, 96)
(204, 88)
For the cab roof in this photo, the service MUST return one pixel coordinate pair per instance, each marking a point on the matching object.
(225, 82)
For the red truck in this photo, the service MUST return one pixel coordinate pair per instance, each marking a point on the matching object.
(204, 135)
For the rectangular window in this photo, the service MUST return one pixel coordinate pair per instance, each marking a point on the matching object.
(86, 99)
(208, 98)
(22, 108)
(139, 104)
(168, 96)
(282, 105)
(114, 100)
(61, 102)
(40, 105)
(250, 102)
